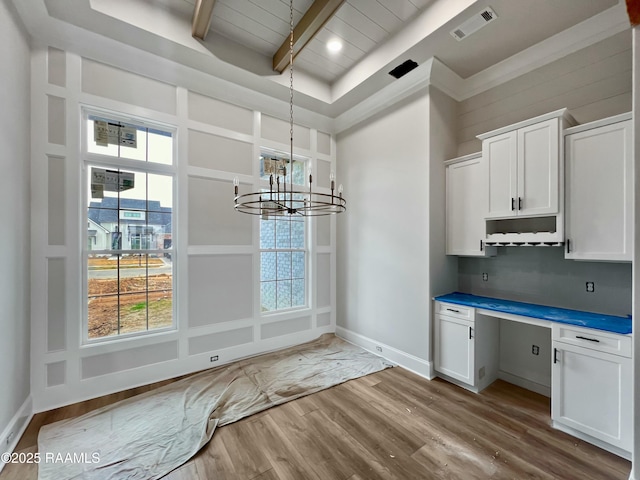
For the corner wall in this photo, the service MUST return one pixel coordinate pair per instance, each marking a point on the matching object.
(14, 218)
(390, 243)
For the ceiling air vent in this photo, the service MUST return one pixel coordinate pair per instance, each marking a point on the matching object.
(474, 24)
(403, 69)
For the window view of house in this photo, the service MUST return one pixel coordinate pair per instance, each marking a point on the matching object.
(129, 230)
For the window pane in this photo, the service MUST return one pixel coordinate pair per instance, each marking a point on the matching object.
(160, 147)
(284, 294)
(118, 139)
(298, 265)
(298, 293)
(103, 298)
(94, 146)
(267, 266)
(284, 265)
(297, 234)
(129, 293)
(137, 151)
(268, 296)
(267, 234)
(283, 232)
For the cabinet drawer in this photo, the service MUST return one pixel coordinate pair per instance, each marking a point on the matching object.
(593, 339)
(453, 310)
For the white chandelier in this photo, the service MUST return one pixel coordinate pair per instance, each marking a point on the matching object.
(281, 200)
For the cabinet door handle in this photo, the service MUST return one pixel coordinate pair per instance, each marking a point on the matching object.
(480, 245)
(470, 331)
(568, 246)
(513, 204)
(555, 355)
(453, 310)
(519, 203)
(587, 338)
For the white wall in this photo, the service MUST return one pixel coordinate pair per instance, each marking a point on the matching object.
(593, 83)
(635, 473)
(14, 218)
(389, 166)
(216, 274)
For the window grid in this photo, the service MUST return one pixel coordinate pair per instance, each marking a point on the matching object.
(283, 246)
(143, 272)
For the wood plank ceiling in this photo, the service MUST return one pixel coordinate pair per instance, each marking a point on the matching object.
(361, 25)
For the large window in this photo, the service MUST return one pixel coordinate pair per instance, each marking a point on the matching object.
(129, 257)
(283, 254)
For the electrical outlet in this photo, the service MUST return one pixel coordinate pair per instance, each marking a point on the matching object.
(213, 359)
(591, 287)
(10, 437)
(379, 349)
(535, 349)
(485, 277)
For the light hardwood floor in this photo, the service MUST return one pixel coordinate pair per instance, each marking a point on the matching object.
(391, 425)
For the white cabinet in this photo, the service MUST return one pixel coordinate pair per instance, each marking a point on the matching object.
(592, 386)
(523, 167)
(599, 190)
(454, 348)
(456, 338)
(465, 206)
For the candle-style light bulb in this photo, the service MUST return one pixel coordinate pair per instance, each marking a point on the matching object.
(332, 177)
(236, 184)
(310, 173)
(340, 190)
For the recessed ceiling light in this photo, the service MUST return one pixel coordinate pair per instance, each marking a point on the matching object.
(334, 45)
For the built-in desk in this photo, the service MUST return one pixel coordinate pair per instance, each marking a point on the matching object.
(591, 374)
(539, 314)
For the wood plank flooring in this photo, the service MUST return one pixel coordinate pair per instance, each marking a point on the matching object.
(391, 425)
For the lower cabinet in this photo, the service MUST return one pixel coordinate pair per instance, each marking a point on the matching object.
(591, 386)
(465, 354)
(455, 348)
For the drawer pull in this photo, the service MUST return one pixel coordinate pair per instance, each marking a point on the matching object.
(555, 355)
(519, 203)
(453, 310)
(513, 204)
(470, 331)
(589, 339)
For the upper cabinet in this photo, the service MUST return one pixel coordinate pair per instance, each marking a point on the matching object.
(465, 204)
(523, 167)
(599, 190)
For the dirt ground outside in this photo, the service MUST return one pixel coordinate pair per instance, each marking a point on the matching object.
(137, 305)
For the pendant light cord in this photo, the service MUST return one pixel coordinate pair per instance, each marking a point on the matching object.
(290, 101)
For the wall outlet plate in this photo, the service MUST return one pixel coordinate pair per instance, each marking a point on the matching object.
(213, 358)
(485, 277)
(591, 287)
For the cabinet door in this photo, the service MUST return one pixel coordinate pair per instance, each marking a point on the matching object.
(499, 155)
(454, 348)
(465, 204)
(538, 168)
(599, 193)
(591, 392)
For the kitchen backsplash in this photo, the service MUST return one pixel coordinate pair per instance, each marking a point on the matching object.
(542, 275)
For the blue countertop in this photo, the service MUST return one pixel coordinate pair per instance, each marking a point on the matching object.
(598, 321)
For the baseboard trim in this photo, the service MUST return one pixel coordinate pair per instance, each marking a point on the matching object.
(525, 383)
(17, 425)
(412, 363)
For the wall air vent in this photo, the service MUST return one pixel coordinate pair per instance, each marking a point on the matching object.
(474, 24)
(403, 69)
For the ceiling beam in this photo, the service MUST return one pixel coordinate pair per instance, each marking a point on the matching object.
(311, 22)
(202, 18)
